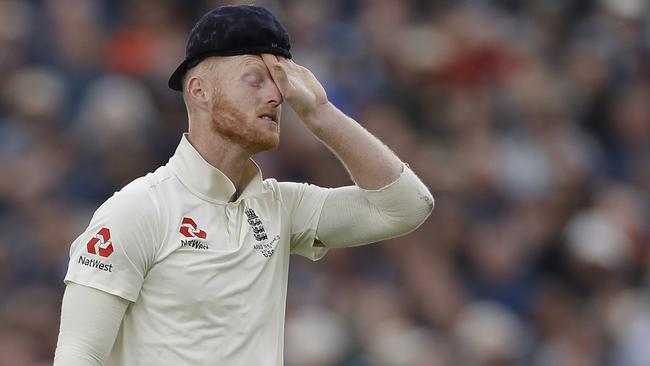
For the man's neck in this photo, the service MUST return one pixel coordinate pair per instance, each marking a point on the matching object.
(222, 154)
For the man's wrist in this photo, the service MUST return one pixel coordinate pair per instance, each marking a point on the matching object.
(315, 119)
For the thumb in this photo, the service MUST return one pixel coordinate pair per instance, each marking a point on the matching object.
(278, 72)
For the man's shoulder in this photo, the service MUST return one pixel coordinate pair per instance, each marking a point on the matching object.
(140, 197)
(278, 188)
(292, 192)
(272, 183)
(148, 183)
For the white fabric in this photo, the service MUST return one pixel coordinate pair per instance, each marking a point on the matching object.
(207, 278)
(90, 320)
(200, 301)
(354, 216)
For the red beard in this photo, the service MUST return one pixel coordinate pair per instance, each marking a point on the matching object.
(233, 124)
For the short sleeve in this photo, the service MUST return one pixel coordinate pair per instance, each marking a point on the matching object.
(304, 203)
(114, 253)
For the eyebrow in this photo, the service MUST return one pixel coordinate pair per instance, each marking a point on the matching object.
(253, 61)
(254, 65)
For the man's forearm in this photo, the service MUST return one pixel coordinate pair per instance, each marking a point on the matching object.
(371, 164)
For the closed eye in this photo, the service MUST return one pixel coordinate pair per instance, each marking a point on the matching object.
(253, 78)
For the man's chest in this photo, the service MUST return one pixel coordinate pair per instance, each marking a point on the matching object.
(221, 252)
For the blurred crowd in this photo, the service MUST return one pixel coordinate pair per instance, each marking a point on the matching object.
(528, 120)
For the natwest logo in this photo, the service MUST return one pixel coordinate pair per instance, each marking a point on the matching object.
(190, 229)
(101, 243)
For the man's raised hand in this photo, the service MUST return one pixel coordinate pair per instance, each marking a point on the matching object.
(299, 87)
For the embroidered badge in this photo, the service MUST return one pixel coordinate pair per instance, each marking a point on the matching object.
(101, 243)
(190, 229)
(195, 237)
(264, 246)
(256, 225)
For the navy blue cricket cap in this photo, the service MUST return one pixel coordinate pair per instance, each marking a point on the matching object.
(229, 31)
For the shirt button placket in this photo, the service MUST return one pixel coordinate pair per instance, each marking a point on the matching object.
(231, 222)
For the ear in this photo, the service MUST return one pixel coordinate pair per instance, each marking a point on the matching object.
(198, 91)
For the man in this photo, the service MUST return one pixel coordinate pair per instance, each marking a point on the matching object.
(188, 265)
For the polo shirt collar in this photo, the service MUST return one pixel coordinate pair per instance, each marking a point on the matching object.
(206, 181)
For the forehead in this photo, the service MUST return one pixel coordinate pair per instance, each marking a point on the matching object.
(214, 62)
(243, 61)
(227, 67)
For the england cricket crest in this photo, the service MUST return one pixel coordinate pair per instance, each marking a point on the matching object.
(265, 246)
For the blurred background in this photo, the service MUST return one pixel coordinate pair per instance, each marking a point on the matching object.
(528, 120)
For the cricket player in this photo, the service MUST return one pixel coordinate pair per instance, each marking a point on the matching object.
(188, 265)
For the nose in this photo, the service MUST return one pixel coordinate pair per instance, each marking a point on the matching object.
(273, 94)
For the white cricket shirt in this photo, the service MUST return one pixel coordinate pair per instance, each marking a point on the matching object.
(207, 279)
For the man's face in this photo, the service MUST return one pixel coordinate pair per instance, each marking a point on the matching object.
(247, 103)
